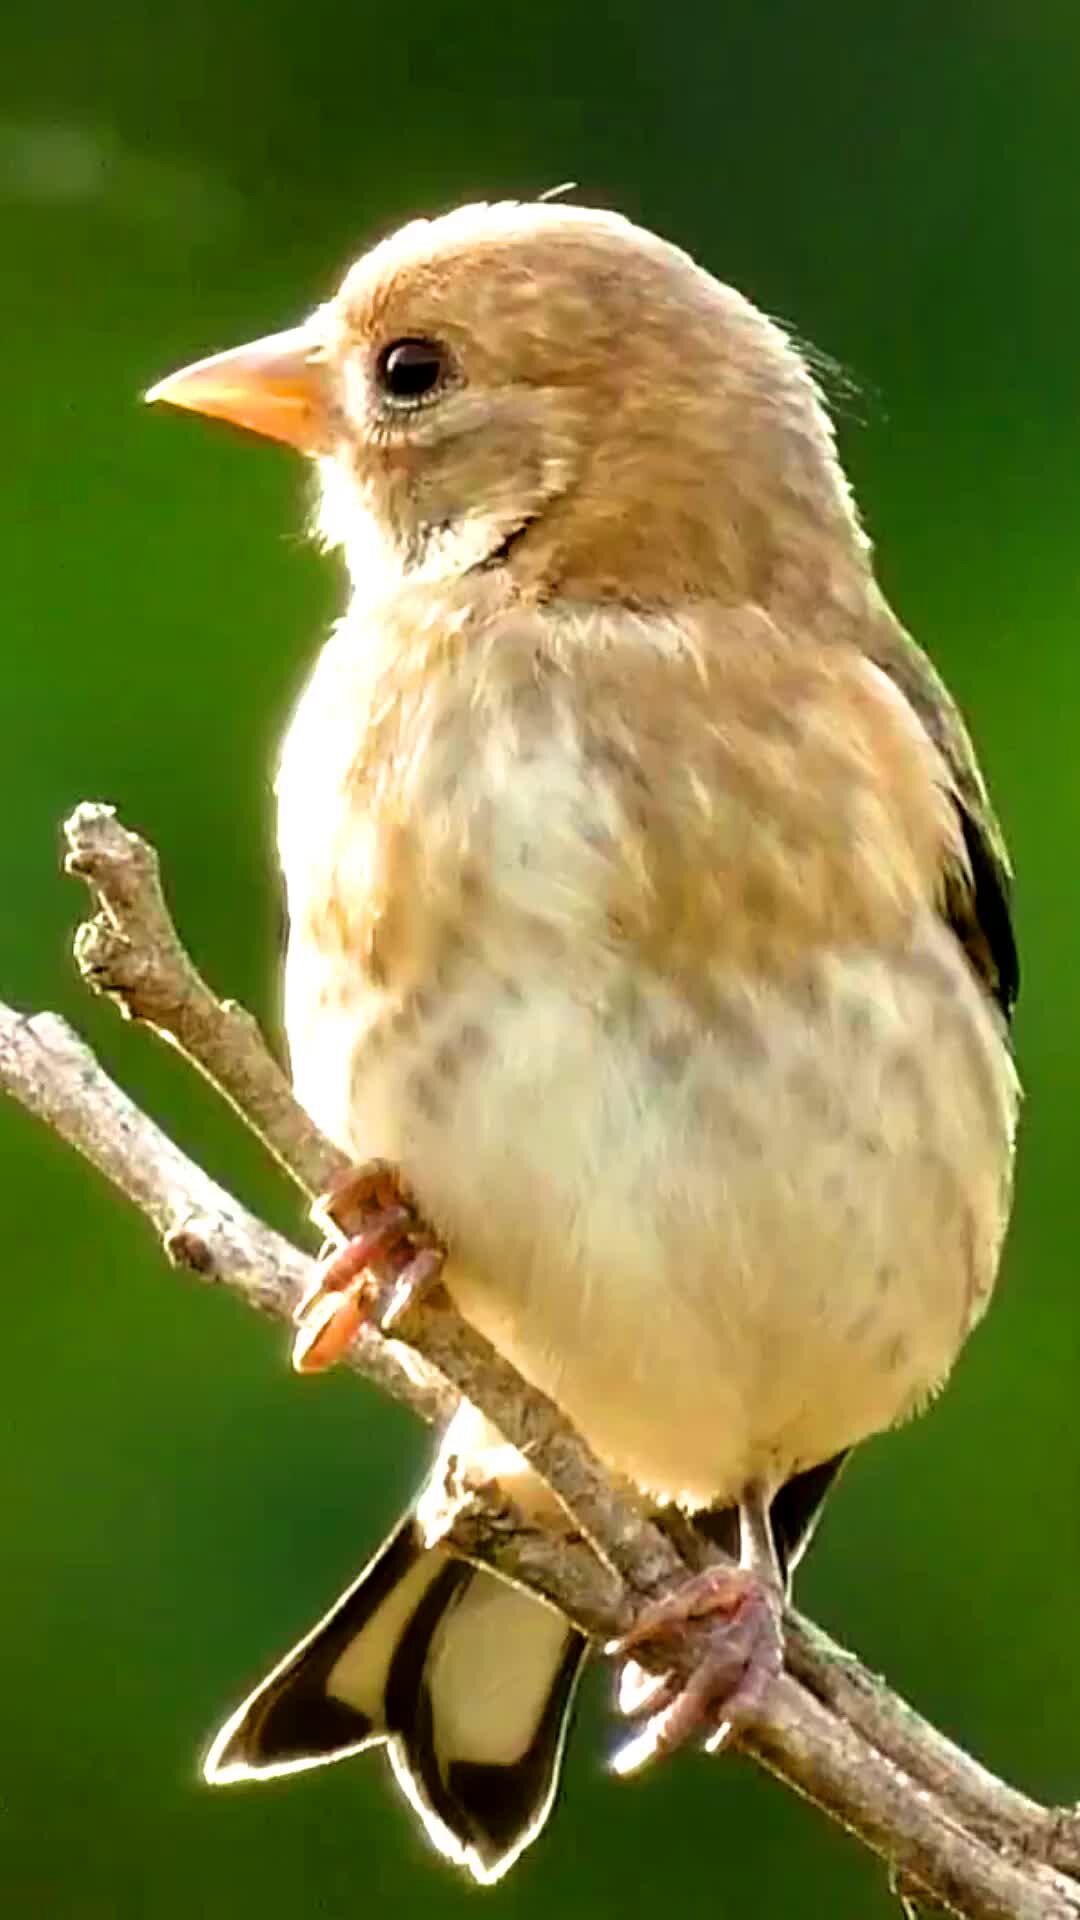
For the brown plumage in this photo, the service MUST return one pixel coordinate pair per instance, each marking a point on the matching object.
(647, 908)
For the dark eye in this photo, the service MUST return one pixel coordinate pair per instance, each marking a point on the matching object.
(409, 370)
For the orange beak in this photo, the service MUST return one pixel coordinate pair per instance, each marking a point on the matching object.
(277, 387)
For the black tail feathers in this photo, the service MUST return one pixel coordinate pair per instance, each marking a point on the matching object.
(467, 1681)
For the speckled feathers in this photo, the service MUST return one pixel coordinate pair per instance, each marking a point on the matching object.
(647, 908)
(619, 850)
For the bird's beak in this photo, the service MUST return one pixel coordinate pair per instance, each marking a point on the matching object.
(277, 387)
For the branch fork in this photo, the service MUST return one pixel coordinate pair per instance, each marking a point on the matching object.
(952, 1834)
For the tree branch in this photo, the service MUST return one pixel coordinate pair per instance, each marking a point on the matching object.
(830, 1729)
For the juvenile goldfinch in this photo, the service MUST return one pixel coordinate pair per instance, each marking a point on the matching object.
(648, 912)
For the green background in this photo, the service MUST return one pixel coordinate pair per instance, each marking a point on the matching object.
(901, 184)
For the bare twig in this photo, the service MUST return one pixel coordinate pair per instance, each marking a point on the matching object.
(131, 951)
(53, 1074)
(997, 1811)
(951, 1831)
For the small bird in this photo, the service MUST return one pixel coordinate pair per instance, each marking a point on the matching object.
(648, 912)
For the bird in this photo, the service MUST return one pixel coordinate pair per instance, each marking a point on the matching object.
(649, 915)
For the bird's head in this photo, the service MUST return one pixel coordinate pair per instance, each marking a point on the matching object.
(554, 389)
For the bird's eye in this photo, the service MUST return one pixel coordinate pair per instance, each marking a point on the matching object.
(409, 370)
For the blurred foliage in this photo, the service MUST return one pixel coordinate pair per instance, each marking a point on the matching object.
(901, 184)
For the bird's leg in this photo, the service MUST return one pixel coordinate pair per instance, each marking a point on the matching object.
(731, 1617)
(385, 1258)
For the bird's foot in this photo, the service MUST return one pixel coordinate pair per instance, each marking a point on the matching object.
(729, 1621)
(386, 1259)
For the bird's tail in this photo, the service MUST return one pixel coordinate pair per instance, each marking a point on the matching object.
(466, 1681)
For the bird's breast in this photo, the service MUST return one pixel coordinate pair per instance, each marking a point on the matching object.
(728, 1181)
(729, 1243)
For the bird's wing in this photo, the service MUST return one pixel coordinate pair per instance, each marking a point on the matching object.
(976, 892)
(775, 795)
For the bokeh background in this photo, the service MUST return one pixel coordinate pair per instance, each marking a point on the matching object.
(903, 185)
